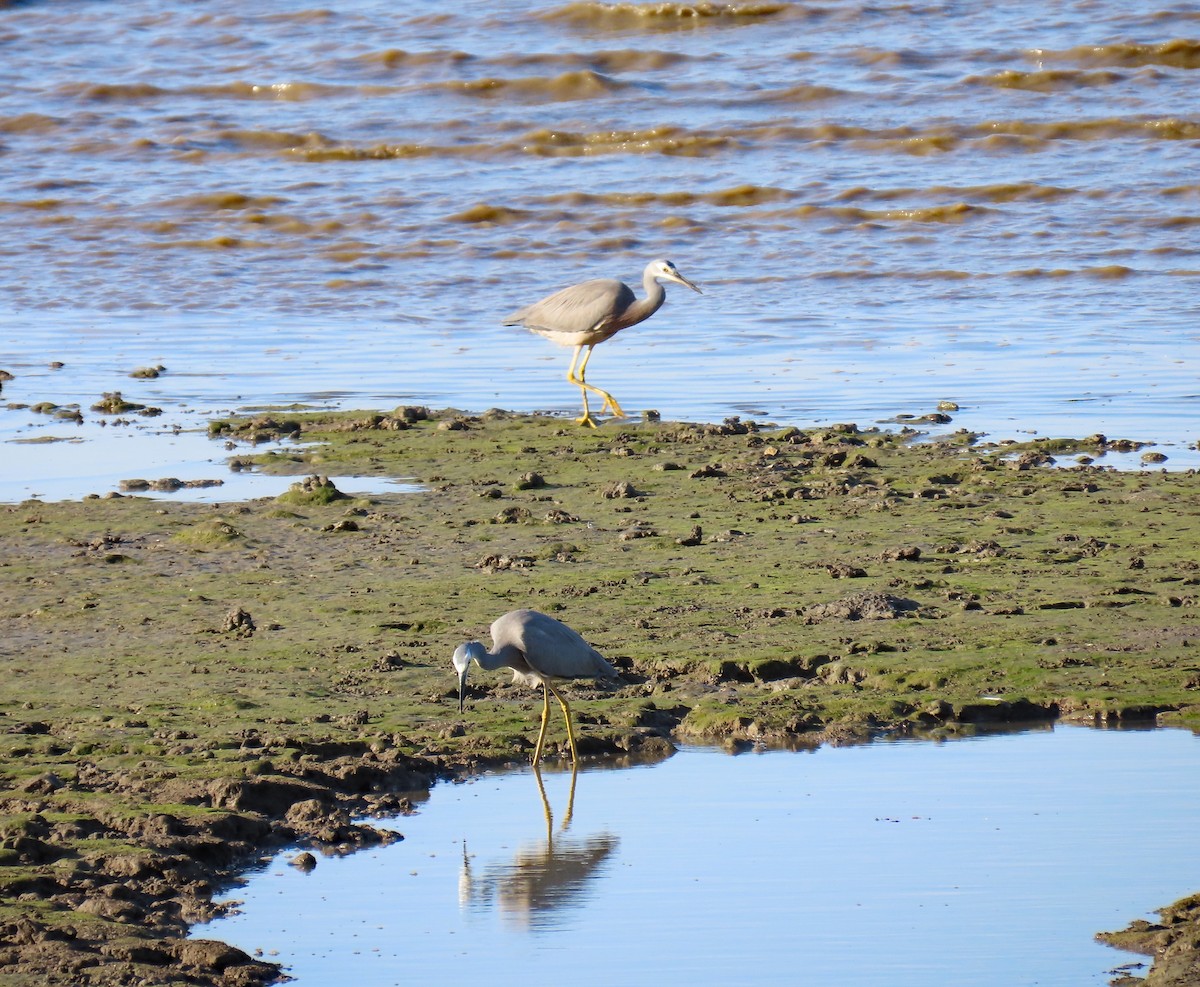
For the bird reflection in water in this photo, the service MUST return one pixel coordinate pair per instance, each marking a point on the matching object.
(542, 879)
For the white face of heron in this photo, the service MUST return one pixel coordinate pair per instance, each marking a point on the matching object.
(666, 270)
(464, 654)
(462, 659)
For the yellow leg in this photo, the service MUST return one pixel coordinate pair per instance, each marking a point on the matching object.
(537, 751)
(545, 806)
(571, 797)
(586, 418)
(610, 403)
(537, 774)
(567, 716)
(577, 378)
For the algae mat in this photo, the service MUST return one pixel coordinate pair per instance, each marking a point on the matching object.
(188, 683)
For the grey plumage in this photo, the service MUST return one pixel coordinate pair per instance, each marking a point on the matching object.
(588, 313)
(538, 649)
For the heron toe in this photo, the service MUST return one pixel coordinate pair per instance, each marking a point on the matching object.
(610, 404)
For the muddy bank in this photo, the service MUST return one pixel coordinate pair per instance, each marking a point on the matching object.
(1173, 942)
(190, 685)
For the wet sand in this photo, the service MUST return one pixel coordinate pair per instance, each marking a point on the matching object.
(192, 684)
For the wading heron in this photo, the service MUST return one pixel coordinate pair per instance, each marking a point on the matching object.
(538, 649)
(591, 312)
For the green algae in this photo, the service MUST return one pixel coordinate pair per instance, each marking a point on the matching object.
(208, 534)
(1068, 588)
(752, 583)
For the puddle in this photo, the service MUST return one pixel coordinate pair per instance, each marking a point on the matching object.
(59, 465)
(248, 486)
(201, 482)
(981, 862)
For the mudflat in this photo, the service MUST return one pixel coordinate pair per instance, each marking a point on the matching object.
(188, 685)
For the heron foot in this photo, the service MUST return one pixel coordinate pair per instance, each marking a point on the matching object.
(610, 404)
(587, 419)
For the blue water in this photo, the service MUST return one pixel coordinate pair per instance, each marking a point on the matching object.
(987, 862)
(887, 206)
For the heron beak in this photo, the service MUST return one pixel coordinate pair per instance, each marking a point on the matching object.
(682, 280)
(462, 685)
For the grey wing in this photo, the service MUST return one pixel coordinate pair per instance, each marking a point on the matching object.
(579, 308)
(550, 646)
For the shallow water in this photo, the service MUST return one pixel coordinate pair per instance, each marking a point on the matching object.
(887, 205)
(981, 862)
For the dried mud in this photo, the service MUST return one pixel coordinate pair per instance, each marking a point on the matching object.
(190, 685)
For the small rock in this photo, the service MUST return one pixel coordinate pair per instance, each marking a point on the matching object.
(530, 481)
(620, 489)
(304, 861)
(147, 373)
(43, 784)
(113, 404)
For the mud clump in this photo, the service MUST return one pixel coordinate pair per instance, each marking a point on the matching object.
(209, 534)
(238, 621)
(166, 484)
(112, 403)
(861, 606)
(312, 491)
(620, 490)
(148, 373)
(530, 481)
(262, 428)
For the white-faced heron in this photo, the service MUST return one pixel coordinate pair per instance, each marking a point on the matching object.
(591, 312)
(538, 649)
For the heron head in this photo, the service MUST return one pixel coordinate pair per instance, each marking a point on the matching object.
(667, 271)
(462, 658)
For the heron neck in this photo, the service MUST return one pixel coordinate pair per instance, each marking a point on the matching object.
(500, 658)
(643, 308)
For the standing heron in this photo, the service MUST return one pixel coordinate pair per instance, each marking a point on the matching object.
(589, 313)
(538, 649)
